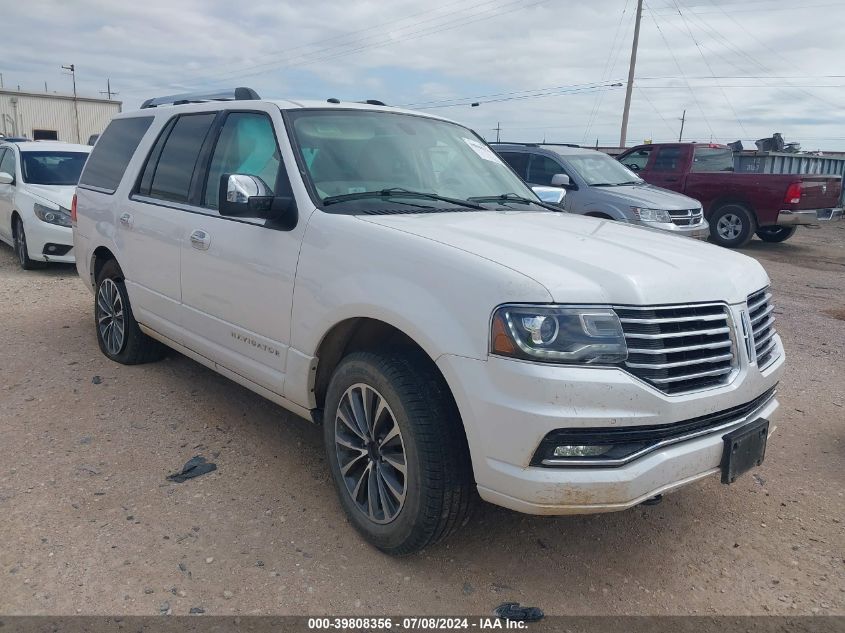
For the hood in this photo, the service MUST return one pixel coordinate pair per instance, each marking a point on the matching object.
(588, 260)
(648, 196)
(57, 194)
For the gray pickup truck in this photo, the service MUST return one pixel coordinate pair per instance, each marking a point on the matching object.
(599, 186)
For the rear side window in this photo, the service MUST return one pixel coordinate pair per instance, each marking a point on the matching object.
(668, 159)
(170, 176)
(519, 162)
(112, 153)
(713, 159)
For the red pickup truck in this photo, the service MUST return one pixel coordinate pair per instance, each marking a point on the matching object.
(737, 205)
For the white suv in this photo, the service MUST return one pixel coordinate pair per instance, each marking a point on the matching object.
(37, 182)
(385, 274)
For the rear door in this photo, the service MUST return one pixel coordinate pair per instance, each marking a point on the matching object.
(153, 223)
(237, 273)
(666, 168)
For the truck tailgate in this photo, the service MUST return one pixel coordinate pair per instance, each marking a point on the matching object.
(820, 192)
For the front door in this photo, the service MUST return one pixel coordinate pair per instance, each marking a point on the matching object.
(237, 274)
(7, 194)
(667, 169)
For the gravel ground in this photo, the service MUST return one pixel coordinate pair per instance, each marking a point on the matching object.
(89, 524)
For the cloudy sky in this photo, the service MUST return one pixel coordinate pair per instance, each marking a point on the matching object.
(539, 69)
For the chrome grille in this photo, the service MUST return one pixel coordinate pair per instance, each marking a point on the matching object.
(679, 348)
(687, 217)
(761, 317)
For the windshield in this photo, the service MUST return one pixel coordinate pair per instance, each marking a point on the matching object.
(52, 168)
(601, 169)
(713, 159)
(351, 153)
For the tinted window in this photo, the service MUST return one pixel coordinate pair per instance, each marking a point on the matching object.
(52, 168)
(519, 162)
(7, 161)
(713, 159)
(175, 166)
(152, 159)
(668, 159)
(541, 170)
(246, 145)
(637, 160)
(113, 152)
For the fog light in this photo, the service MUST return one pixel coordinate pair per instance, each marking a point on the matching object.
(51, 248)
(581, 451)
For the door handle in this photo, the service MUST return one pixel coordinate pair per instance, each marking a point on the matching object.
(126, 220)
(200, 240)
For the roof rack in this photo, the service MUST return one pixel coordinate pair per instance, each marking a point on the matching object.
(532, 144)
(232, 94)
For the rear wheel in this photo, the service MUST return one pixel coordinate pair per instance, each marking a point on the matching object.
(21, 249)
(776, 233)
(118, 334)
(732, 225)
(397, 450)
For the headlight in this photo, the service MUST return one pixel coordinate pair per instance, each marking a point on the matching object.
(556, 334)
(652, 215)
(59, 216)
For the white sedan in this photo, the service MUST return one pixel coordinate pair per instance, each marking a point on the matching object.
(37, 183)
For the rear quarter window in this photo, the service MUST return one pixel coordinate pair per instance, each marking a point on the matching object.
(112, 153)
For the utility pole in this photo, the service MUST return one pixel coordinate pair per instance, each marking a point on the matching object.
(683, 119)
(108, 91)
(498, 129)
(1, 80)
(630, 86)
(72, 69)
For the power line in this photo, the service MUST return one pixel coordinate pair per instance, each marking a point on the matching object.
(333, 52)
(516, 95)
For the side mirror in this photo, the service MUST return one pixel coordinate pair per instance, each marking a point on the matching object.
(244, 196)
(632, 167)
(561, 180)
(6, 178)
(551, 195)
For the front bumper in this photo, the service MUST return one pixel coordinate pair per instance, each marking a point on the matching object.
(808, 217)
(44, 241)
(509, 406)
(699, 231)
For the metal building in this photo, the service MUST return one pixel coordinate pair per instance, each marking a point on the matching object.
(50, 116)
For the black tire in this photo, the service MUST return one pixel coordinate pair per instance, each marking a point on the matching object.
(134, 346)
(732, 225)
(21, 249)
(776, 233)
(439, 486)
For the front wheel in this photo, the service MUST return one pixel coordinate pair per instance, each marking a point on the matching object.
(22, 250)
(118, 334)
(776, 233)
(397, 450)
(732, 226)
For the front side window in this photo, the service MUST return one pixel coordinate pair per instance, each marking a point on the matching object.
(601, 170)
(7, 162)
(113, 151)
(541, 170)
(357, 152)
(637, 160)
(52, 168)
(246, 145)
(171, 178)
(708, 159)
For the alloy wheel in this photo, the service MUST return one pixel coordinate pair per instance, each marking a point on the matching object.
(110, 318)
(729, 226)
(371, 453)
(20, 245)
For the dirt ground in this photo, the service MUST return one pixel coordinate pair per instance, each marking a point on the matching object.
(89, 524)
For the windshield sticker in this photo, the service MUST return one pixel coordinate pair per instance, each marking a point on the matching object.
(482, 150)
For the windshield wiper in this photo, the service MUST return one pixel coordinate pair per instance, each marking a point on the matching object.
(513, 197)
(617, 184)
(399, 192)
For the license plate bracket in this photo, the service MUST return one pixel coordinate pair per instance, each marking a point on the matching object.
(744, 449)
